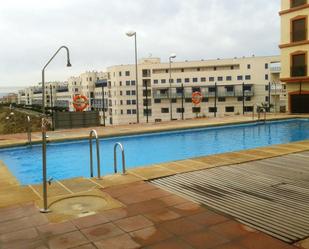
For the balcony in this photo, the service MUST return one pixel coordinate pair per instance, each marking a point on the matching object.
(275, 67)
(62, 89)
(101, 83)
(299, 71)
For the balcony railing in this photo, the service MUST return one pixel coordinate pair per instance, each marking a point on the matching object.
(62, 89)
(299, 71)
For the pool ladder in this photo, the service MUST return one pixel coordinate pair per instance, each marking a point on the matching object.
(94, 132)
(29, 130)
(259, 114)
(123, 158)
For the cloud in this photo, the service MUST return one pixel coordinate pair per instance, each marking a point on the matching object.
(94, 30)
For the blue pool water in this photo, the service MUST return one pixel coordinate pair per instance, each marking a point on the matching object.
(71, 159)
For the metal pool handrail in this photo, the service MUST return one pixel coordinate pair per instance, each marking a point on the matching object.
(94, 132)
(29, 130)
(259, 114)
(123, 158)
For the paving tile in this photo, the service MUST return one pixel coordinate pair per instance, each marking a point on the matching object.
(38, 219)
(22, 235)
(162, 215)
(15, 225)
(67, 240)
(115, 214)
(36, 244)
(123, 241)
(173, 243)
(204, 239)
(261, 241)
(231, 229)
(88, 246)
(150, 235)
(89, 221)
(173, 200)
(13, 212)
(208, 218)
(188, 208)
(56, 229)
(101, 232)
(133, 223)
(230, 245)
(152, 172)
(145, 207)
(180, 226)
(125, 189)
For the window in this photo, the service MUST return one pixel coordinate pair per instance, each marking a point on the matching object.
(120, 93)
(212, 109)
(221, 99)
(196, 109)
(119, 73)
(133, 102)
(182, 70)
(248, 77)
(179, 90)
(127, 73)
(296, 3)
(299, 31)
(121, 102)
(198, 69)
(174, 100)
(266, 65)
(239, 77)
(220, 78)
(247, 98)
(178, 80)
(163, 81)
(128, 93)
(196, 89)
(248, 109)
(133, 83)
(164, 110)
(247, 88)
(212, 89)
(129, 112)
(188, 100)
(266, 76)
(215, 68)
(239, 99)
(155, 81)
(211, 78)
(133, 111)
(187, 80)
(229, 88)
(120, 83)
(248, 66)
(205, 99)
(266, 98)
(232, 67)
(128, 102)
(194, 80)
(229, 109)
(157, 101)
(121, 112)
(180, 110)
(266, 87)
(133, 92)
(299, 67)
(203, 79)
(127, 83)
(228, 78)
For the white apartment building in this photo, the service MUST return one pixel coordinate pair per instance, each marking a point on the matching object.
(222, 83)
(228, 87)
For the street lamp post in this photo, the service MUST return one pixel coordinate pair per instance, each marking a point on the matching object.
(45, 206)
(52, 104)
(172, 56)
(103, 104)
(130, 34)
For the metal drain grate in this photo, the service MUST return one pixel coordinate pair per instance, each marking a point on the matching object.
(271, 195)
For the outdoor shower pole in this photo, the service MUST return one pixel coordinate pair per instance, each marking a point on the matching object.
(44, 123)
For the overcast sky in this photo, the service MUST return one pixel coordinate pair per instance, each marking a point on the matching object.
(94, 30)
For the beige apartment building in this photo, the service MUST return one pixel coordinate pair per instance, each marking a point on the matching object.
(294, 53)
(227, 86)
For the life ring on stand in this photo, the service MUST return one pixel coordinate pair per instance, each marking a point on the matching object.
(196, 98)
(80, 102)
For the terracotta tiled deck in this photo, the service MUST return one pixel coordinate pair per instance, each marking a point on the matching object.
(151, 218)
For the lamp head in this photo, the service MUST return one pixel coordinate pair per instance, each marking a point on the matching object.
(173, 56)
(69, 64)
(131, 33)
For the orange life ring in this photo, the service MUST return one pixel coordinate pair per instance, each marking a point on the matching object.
(80, 102)
(196, 98)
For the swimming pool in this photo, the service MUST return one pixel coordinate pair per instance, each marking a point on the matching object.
(71, 159)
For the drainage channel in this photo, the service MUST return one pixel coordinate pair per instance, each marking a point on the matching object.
(270, 195)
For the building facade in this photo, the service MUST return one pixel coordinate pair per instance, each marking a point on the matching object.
(163, 91)
(294, 53)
